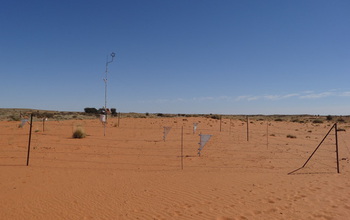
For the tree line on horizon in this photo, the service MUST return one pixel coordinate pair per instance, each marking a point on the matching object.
(90, 110)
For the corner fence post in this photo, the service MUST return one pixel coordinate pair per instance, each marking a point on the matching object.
(336, 140)
(30, 137)
(319, 145)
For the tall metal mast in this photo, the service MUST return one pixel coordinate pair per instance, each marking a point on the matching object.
(105, 80)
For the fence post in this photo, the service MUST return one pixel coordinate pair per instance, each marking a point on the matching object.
(267, 134)
(182, 147)
(220, 122)
(336, 146)
(30, 137)
(247, 128)
(118, 119)
(44, 119)
(230, 127)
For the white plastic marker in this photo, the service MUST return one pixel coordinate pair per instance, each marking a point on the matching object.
(194, 127)
(166, 131)
(23, 122)
(103, 118)
(204, 138)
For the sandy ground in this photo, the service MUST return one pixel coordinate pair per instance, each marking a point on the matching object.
(132, 173)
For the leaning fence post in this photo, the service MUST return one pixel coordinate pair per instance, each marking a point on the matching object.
(30, 137)
(336, 140)
(319, 145)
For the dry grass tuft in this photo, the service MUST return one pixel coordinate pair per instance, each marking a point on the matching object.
(79, 133)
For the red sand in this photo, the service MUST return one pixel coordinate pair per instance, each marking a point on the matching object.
(131, 173)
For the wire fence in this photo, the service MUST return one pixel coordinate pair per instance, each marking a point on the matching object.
(141, 144)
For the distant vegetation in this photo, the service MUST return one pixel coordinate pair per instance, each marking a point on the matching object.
(93, 113)
(341, 120)
(90, 110)
(217, 117)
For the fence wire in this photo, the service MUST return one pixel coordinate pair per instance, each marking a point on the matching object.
(138, 144)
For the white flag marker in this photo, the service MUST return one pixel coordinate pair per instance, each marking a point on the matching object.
(194, 127)
(166, 131)
(204, 138)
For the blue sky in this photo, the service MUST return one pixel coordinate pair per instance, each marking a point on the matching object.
(183, 56)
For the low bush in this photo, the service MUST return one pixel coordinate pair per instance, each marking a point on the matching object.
(341, 120)
(317, 121)
(291, 136)
(79, 133)
(90, 110)
(14, 118)
(217, 117)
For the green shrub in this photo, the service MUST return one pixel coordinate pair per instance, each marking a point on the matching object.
(217, 117)
(14, 118)
(113, 111)
(341, 120)
(79, 133)
(317, 121)
(90, 110)
(278, 119)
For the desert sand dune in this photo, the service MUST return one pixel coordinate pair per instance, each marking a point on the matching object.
(132, 173)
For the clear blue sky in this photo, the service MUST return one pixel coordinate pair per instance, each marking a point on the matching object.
(177, 56)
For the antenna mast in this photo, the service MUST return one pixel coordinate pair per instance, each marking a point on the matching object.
(105, 80)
